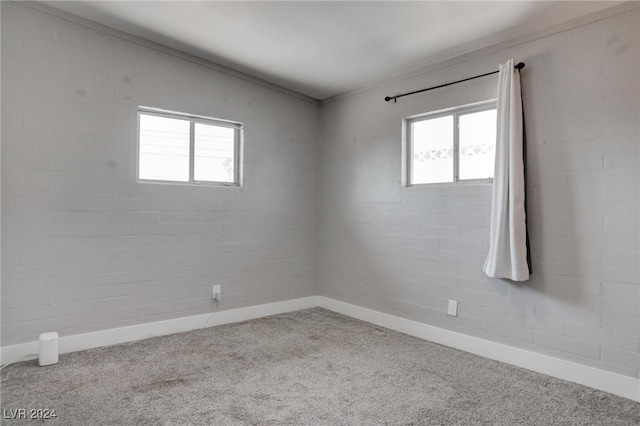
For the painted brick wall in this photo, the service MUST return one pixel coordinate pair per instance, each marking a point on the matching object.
(406, 251)
(84, 246)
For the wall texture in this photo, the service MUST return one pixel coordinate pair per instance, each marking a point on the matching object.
(85, 246)
(406, 251)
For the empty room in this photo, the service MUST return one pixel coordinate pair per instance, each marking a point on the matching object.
(320, 213)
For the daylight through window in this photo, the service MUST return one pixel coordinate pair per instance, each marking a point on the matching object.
(174, 147)
(457, 145)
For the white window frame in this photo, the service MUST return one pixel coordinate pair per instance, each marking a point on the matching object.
(407, 142)
(193, 119)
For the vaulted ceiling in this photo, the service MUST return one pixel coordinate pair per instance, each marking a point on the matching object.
(325, 48)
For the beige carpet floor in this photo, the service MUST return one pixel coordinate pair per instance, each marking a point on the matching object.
(310, 367)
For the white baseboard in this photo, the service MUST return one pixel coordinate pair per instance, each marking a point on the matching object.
(617, 384)
(113, 336)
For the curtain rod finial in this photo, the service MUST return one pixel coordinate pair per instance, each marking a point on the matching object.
(387, 98)
(519, 66)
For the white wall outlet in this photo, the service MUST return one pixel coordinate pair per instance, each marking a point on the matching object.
(453, 308)
(217, 293)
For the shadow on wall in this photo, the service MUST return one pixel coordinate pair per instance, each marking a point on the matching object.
(564, 190)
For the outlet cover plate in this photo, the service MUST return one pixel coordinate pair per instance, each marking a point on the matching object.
(453, 308)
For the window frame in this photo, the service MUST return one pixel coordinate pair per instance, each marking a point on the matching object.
(456, 112)
(193, 119)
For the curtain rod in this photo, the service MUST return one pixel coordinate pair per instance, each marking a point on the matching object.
(395, 98)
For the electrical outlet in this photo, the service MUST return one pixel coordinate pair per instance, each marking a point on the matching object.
(453, 308)
(217, 293)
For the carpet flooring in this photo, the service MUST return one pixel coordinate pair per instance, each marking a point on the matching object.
(311, 367)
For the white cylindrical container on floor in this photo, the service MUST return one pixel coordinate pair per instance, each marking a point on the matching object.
(48, 348)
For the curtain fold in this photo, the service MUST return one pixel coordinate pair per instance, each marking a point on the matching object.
(508, 245)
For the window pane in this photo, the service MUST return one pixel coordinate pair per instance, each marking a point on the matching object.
(214, 153)
(432, 150)
(477, 144)
(164, 148)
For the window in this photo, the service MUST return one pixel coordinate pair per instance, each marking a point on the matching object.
(451, 146)
(182, 148)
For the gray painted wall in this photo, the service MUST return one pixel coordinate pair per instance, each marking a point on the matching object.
(85, 246)
(406, 251)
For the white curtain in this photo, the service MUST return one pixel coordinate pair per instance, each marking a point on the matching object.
(508, 248)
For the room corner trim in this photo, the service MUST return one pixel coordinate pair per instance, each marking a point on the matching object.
(114, 336)
(617, 384)
(159, 47)
(463, 56)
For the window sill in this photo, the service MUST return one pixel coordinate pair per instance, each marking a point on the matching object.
(172, 182)
(450, 184)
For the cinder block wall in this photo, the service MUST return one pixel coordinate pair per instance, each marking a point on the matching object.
(406, 251)
(86, 247)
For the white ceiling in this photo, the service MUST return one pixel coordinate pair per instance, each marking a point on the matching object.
(324, 48)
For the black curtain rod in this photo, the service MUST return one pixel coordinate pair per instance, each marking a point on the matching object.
(395, 98)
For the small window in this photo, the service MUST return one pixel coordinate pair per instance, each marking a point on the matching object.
(182, 148)
(451, 146)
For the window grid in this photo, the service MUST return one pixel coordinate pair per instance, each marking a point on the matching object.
(456, 147)
(455, 113)
(192, 150)
(193, 120)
